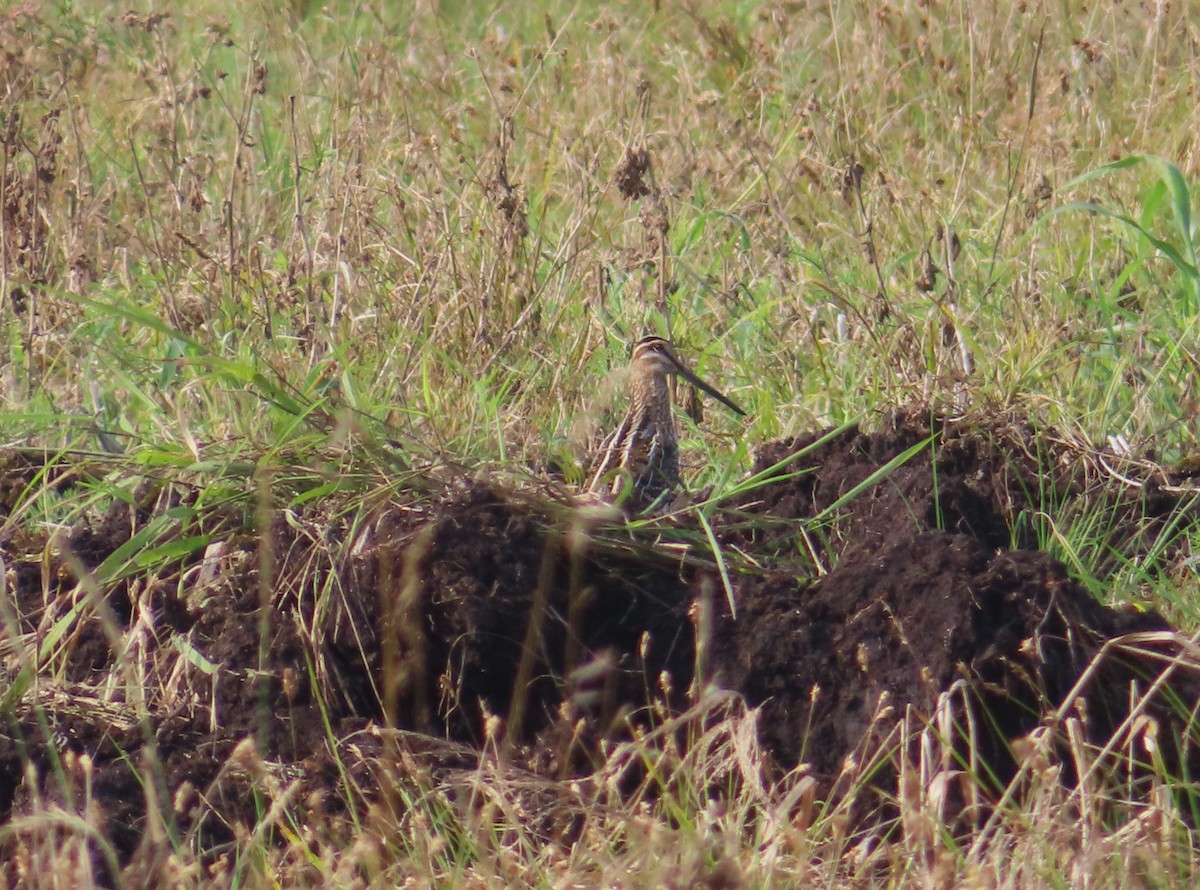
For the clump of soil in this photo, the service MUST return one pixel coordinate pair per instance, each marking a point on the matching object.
(493, 607)
(934, 581)
(865, 586)
(899, 628)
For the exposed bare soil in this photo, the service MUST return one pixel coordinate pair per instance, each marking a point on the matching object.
(479, 602)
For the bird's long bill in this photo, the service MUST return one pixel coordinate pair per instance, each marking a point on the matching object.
(704, 387)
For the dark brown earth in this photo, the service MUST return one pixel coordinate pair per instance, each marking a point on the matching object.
(478, 602)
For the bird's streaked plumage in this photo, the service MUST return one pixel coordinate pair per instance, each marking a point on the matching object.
(644, 450)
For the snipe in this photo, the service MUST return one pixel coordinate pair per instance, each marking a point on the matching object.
(644, 449)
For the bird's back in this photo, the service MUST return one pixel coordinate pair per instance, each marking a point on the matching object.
(645, 446)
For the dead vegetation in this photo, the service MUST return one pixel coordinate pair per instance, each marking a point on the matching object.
(480, 657)
(309, 314)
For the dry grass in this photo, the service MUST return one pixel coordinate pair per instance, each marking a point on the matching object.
(390, 214)
(233, 240)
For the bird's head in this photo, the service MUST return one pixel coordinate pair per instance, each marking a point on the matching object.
(654, 355)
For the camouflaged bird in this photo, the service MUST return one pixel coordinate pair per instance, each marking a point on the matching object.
(644, 449)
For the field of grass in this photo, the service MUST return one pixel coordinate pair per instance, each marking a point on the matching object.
(315, 256)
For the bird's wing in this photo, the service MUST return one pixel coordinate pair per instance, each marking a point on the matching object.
(610, 453)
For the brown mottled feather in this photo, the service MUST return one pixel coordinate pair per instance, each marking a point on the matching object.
(645, 447)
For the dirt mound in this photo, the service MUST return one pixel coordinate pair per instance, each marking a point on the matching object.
(494, 606)
(872, 573)
(989, 479)
(929, 585)
(899, 628)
